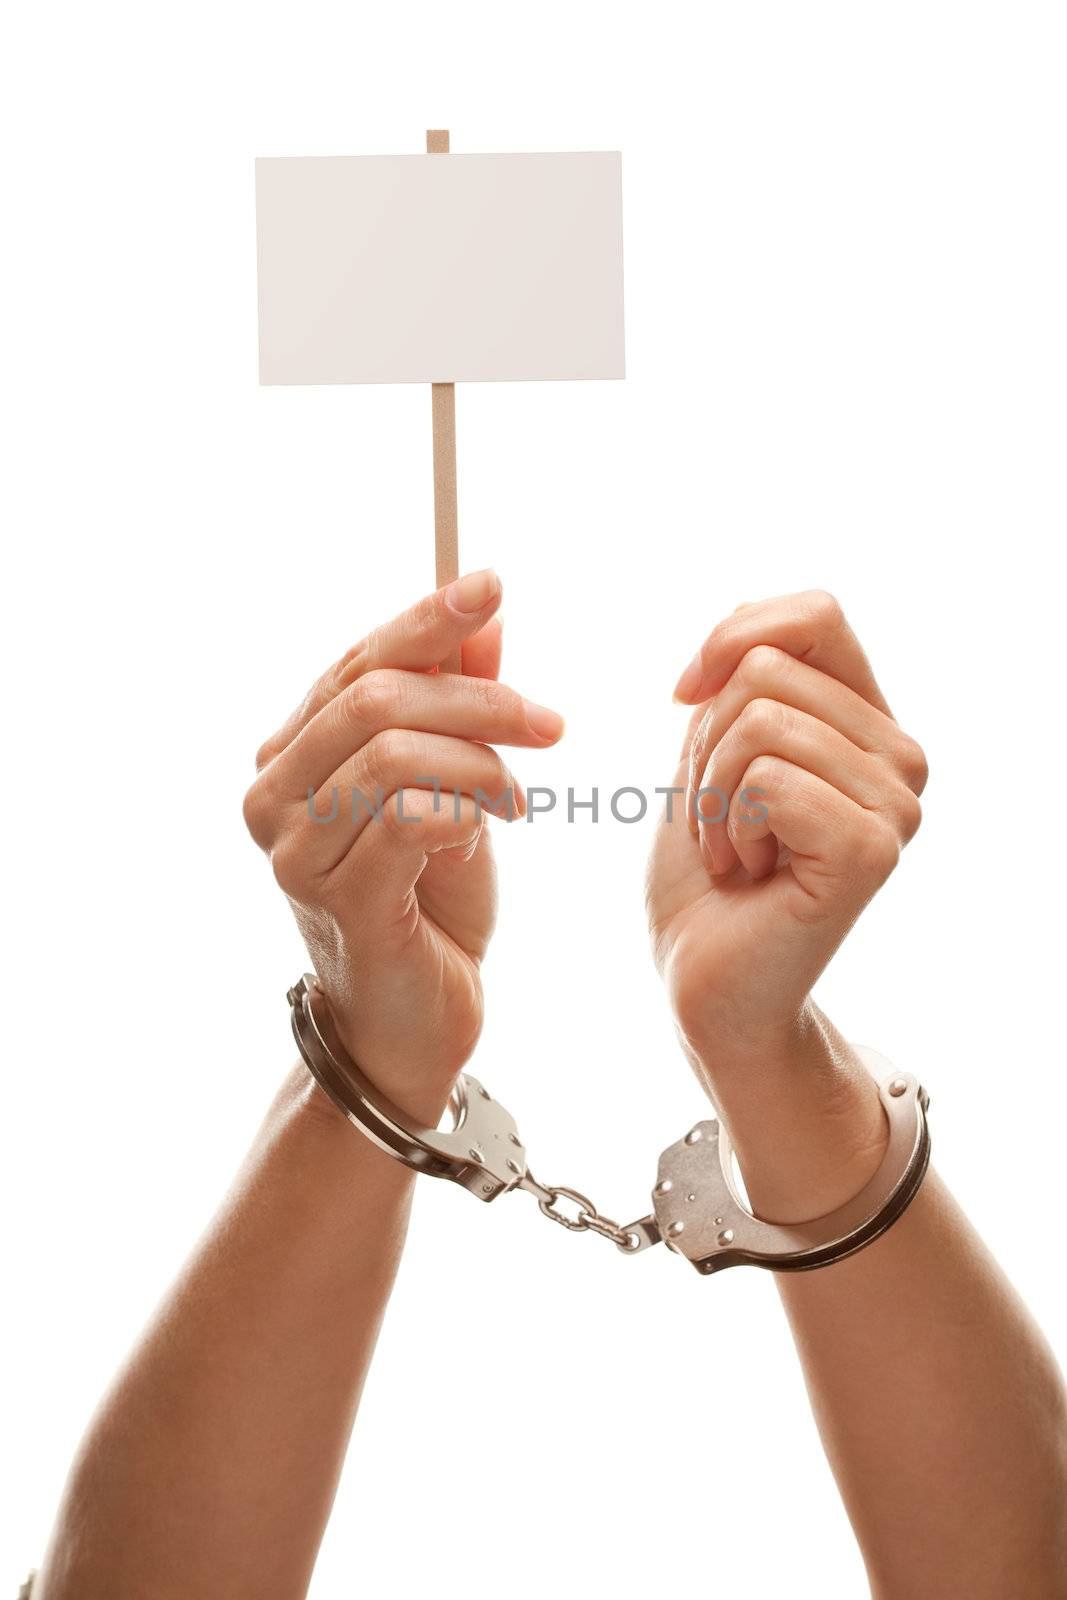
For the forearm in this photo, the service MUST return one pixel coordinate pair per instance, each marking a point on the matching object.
(211, 1465)
(940, 1406)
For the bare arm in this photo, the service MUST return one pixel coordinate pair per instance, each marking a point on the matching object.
(940, 1406)
(211, 1465)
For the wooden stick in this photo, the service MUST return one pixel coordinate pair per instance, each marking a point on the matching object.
(443, 402)
(446, 526)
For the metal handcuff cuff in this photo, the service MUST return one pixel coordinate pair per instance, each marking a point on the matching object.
(696, 1209)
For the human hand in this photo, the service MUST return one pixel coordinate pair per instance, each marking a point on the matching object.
(395, 896)
(746, 912)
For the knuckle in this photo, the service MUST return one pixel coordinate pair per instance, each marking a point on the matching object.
(429, 613)
(494, 698)
(392, 753)
(500, 706)
(501, 768)
(876, 851)
(763, 719)
(258, 814)
(407, 816)
(719, 637)
(761, 665)
(913, 764)
(760, 774)
(754, 801)
(499, 780)
(827, 605)
(370, 700)
(489, 769)
(911, 814)
(749, 809)
(824, 608)
(266, 752)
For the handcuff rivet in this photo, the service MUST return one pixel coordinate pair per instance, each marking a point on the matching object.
(726, 1236)
(693, 1136)
(897, 1088)
(664, 1187)
(675, 1229)
(487, 1188)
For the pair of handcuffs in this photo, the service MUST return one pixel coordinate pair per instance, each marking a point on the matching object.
(696, 1209)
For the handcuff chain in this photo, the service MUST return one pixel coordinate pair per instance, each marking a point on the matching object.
(696, 1209)
(589, 1219)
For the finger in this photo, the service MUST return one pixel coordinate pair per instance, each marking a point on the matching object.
(692, 729)
(395, 762)
(810, 626)
(833, 842)
(387, 861)
(465, 708)
(433, 629)
(681, 771)
(759, 857)
(417, 640)
(767, 727)
(481, 652)
(766, 672)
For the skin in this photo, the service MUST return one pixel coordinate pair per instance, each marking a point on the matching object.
(939, 1404)
(211, 1465)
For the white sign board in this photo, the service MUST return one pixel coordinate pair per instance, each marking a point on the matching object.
(439, 268)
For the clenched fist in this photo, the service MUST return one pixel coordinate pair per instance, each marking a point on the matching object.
(797, 792)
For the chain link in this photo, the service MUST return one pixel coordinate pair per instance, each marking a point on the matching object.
(588, 1219)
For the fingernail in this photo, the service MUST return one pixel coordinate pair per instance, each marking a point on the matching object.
(545, 723)
(689, 682)
(473, 591)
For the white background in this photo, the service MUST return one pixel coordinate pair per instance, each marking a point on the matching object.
(845, 269)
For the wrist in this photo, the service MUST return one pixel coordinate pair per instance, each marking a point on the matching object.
(802, 1111)
(419, 1089)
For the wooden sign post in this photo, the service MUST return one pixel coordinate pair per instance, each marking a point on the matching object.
(525, 281)
(445, 501)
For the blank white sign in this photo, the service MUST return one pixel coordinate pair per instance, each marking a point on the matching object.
(439, 268)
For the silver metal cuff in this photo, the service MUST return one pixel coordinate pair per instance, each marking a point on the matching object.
(696, 1208)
